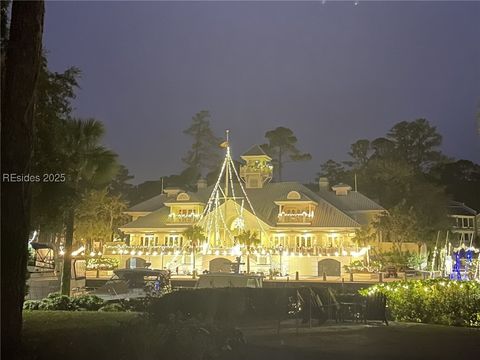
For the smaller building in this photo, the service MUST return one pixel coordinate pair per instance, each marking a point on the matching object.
(464, 222)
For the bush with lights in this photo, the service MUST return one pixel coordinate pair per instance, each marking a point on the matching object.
(436, 301)
(101, 263)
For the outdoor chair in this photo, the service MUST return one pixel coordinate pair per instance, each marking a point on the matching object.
(351, 307)
(328, 303)
(375, 308)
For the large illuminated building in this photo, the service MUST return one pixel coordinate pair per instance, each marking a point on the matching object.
(299, 230)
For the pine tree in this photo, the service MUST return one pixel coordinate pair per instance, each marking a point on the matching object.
(204, 153)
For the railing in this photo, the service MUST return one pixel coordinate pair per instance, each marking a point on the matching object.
(293, 218)
(183, 218)
(264, 170)
(221, 251)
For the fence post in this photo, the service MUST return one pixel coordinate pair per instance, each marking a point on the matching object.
(380, 277)
(324, 276)
(297, 276)
(351, 276)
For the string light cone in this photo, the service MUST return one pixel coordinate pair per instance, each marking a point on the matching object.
(228, 195)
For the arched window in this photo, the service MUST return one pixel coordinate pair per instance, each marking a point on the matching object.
(293, 195)
(183, 196)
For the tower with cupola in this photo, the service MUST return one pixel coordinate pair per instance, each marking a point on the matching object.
(257, 169)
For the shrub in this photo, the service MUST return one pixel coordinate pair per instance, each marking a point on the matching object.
(437, 301)
(87, 302)
(31, 304)
(56, 301)
(112, 307)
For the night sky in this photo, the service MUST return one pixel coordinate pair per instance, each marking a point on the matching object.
(332, 72)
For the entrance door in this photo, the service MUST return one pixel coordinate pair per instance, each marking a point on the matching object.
(330, 267)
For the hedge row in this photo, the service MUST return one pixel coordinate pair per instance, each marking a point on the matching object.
(235, 304)
(436, 301)
(56, 301)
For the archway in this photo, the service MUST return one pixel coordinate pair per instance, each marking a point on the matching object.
(330, 267)
(220, 265)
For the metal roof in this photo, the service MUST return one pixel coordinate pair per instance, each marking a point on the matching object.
(458, 208)
(255, 150)
(331, 211)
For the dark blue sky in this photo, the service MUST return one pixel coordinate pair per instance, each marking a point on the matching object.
(333, 73)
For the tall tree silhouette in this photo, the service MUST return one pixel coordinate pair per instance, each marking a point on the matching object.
(22, 62)
(282, 148)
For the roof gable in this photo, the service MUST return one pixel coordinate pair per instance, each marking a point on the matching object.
(255, 150)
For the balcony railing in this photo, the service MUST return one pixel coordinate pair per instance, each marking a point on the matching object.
(222, 251)
(264, 170)
(183, 218)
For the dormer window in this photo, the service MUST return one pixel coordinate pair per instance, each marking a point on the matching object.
(293, 195)
(295, 210)
(183, 197)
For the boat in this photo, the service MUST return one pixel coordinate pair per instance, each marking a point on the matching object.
(133, 284)
(224, 280)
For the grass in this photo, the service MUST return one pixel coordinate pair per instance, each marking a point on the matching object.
(41, 322)
(84, 335)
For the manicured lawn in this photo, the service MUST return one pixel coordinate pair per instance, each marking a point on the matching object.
(41, 322)
(399, 341)
(84, 335)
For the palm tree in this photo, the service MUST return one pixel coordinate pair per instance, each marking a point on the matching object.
(88, 165)
(195, 234)
(248, 239)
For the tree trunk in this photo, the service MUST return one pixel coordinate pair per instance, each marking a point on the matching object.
(21, 73)
(194, 245)
(67, 257)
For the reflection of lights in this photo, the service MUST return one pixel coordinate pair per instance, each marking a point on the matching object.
(155, 253)
(140, 253)
(217, 252)
(62, 252)
(99, 253)
(114, 252)
(336, 253)
(92, 253)
(132, 252)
